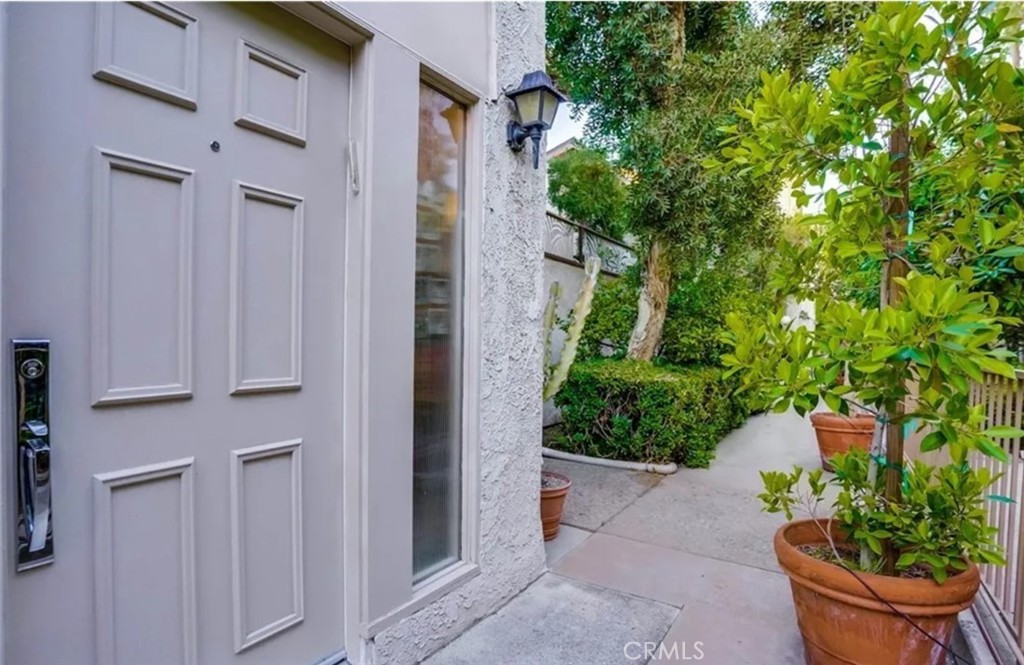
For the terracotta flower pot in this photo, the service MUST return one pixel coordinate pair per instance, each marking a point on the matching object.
(838, 434)
(552, 500)
(842, 623)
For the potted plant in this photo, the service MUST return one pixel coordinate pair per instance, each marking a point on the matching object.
(555, 486)
(914, 146)
(838, 434)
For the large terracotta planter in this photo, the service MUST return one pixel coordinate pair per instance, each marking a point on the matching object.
(838, 434)
(552, 501)
(842, 623)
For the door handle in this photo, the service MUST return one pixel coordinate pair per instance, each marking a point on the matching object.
(35, 489)
(33, 456)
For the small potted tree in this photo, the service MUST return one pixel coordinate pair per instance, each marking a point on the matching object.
(915, 145)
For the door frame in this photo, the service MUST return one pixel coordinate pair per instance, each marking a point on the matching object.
(347, 29)
(357, 35)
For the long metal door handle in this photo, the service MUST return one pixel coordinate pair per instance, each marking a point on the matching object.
(33, 459)
(36, 492)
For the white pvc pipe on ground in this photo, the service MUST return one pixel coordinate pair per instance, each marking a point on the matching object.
(663, 469)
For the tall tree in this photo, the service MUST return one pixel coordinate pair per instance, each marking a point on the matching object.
(657, 79)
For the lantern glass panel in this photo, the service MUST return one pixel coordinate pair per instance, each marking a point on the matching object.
(548, 108)
(528, 105)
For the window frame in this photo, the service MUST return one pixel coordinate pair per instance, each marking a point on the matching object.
(457, 306)
(472, 219)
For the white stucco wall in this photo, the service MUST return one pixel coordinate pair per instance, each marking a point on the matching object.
(571, 279)
(512, 292)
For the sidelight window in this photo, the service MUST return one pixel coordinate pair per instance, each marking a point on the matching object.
(437, 377)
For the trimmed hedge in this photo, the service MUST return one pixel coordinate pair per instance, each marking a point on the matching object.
(630, 410)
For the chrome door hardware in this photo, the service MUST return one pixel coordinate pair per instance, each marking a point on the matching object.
(32, 436)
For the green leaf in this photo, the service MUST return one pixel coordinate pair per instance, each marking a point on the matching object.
(1007, 128)
(1004, 432)
(883, 352)
(962, 328)
(992, 450)
(1000, 498)
(933, 441)
(988, 231)
(995, 366)
(1008, 252)
(906, 560)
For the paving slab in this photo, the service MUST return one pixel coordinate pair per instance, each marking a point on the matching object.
(715, 512)
(696, 540)
(721, 637)
(568, 538)
(598, 493)
(774, 442)
(714, 521)
(679, 578)
(558, 621)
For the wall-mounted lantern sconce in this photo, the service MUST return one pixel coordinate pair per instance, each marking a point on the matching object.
(536, 101)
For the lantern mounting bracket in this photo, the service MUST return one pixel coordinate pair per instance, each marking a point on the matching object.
(517, 136)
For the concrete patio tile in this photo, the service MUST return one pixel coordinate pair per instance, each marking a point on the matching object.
(723, 638)
(719, 522)
(597, 492)
(678, 578)
(560, 621)
(772, 442)
(568, 538)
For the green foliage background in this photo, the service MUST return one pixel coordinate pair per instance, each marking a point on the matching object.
(657, 80)
(696, 320)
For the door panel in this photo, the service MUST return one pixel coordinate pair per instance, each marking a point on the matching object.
(175, 225)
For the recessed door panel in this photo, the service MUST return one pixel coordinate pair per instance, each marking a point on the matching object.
(174, 225)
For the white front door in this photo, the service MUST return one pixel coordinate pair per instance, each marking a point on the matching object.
(174, 223)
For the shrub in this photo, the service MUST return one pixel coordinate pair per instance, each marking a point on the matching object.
(631, 410)
(696, 315)
(612, 315)
(697, 309)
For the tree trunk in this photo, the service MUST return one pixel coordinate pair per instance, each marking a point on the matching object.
(897, 209)
(652, 305)
(653, 302)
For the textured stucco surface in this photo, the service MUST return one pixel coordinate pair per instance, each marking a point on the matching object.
(511, 549)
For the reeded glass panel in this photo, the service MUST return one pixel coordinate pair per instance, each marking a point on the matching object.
(437, 399)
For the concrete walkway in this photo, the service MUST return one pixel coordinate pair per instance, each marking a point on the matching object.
(652, 569)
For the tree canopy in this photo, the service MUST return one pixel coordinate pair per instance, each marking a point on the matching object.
(585, 186)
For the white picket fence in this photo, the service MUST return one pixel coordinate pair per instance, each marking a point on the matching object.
(1003, 592)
